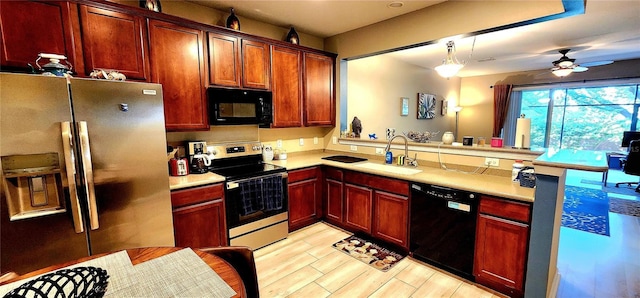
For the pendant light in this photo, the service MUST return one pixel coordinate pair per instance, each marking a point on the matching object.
(450, 66)
(292, 36)
(232, 21)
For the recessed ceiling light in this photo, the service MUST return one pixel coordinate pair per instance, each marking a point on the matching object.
(395, 4)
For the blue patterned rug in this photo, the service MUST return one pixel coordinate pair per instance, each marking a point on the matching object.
(586, 209)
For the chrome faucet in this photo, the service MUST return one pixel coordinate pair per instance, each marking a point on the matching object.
(407, 161)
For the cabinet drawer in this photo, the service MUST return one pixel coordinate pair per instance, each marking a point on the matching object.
(377, 182)
(506, 209)
(333, 173)
(303, 174)
(196, 195)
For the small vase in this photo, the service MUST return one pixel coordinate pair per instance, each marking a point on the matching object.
(153, 5)
(293, 37)
(232, 21)
(447, 138)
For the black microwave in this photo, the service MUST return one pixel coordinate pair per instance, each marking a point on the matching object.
(228, 106)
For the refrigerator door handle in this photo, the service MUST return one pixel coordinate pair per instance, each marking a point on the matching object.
(83, 132)
(69, 159)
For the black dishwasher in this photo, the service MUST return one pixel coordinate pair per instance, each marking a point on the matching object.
(443, 227)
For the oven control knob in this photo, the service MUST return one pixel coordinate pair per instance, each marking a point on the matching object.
(255, 148)
(472, 196)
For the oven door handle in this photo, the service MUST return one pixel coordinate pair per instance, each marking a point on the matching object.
(236, 183)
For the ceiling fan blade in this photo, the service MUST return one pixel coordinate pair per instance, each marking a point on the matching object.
(596, 63)
(580, 69)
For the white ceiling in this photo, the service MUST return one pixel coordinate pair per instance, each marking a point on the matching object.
(609, 30)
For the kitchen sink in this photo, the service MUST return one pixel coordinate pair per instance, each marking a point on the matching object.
(388, 168)
(344, 158)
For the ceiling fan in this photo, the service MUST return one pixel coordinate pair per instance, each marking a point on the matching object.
(565, 65)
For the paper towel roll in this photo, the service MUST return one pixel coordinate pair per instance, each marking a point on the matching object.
(523, 133)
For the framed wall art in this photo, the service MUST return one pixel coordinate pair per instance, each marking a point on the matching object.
(404, 111)
(426, 106)
(444, 108)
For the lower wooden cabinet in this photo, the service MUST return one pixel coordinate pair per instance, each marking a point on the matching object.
(501, 245)
(375, 205)
(358, 202)
(305, 204)
(391, 218)
(199, 217)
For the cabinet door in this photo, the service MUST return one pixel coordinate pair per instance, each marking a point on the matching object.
(358, 207)
(334, 201)
(319, 100)
(224, 60)
(114, 41)
(287, 87)
(177, 62)
(29, 28)
(199, 216)
(200, 225)
(391, 218)
(256, 64)
(501, 248)
(303, 203)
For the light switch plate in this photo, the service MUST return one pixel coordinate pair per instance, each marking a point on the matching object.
(334, 140)
(315, 140)
(279, 143)
(380, 151)
(301, 142)
(354, 148)
(492, 162)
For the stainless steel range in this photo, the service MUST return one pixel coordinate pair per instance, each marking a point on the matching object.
(256, 199)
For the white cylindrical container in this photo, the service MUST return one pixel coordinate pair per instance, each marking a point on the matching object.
(447, 138)
(267, 153)
(517, 166)
(523, 133)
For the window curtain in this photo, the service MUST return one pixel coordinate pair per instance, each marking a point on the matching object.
(501, 96)
(515, 106)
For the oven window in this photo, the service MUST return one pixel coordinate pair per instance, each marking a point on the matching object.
(237, 110)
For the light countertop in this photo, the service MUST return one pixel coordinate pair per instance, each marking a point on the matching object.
(586, 160)
(480, 183)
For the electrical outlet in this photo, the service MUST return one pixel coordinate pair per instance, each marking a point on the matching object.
(301, 142)
(315, 140)
(492, 162)
(354, 148)
(279, 143)
(380, 151)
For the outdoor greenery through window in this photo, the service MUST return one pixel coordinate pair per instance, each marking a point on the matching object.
(586, 118)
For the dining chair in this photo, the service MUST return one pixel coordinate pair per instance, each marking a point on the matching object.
(241, 258)
(631, 163)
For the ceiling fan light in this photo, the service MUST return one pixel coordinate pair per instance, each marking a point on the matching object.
(565, 64)
(562, 72)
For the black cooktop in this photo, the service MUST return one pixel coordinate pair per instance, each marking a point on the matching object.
(248, 170)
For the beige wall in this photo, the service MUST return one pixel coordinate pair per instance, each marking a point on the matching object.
(376, 86)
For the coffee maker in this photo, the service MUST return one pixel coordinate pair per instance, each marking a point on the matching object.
(199, 161)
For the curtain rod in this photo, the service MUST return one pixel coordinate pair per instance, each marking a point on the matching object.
(573, 82)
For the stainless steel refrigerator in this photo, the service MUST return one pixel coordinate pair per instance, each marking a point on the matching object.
(84, 169)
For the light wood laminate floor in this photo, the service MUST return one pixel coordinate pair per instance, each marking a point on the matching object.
(306, 265)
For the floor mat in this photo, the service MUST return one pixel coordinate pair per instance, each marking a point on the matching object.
(623, 206)
(586, 209)
(369, 252)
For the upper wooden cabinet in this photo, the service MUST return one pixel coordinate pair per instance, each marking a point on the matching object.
(224, 60)
(114, 40)
(256, 65)
(177, 62)
(319, 102)
(29, 28)
(287, 87)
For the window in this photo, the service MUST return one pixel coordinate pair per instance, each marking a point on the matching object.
(587, 117)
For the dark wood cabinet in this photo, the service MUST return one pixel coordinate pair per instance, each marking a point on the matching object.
(177, 62)
(28, 28)
(114, 40)
(286, 87)
(319, 98)
(358, 202)
(334, 190)
(199, 217)
(391, 218)
(256, 64)
(224, 60)
(305, 193)
(501, 245)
